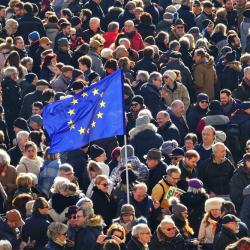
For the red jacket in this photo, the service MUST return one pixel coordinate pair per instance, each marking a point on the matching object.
(109, 38)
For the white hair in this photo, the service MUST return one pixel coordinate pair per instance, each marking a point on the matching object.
(146, 112)
(166, 220)
(246, 69)
(94, 19)
(136, 230)
(5, 245)
(217, 145)
(21, 134)
(8, 71)
(59, 184)
(4, 158)
(129, 22)
(140, 185)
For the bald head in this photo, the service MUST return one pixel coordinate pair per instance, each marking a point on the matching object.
(177, 108)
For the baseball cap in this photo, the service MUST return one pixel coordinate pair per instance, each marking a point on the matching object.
(13, 215)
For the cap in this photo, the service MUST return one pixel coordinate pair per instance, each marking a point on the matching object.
(45, 40)
(207, 4)
(179, 22)
(34, 36)
(168, 146)
(229, 218)
(154, 154)
(195, 183)
(213, 203)
(95, 151)
(13, 215)
(128, 209)
(170, 74)
(63, 42)
(177, 152)
(202, 97)
(21, 123)
(139, 99)
(37, 118)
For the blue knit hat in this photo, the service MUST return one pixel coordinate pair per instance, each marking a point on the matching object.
(34, 36)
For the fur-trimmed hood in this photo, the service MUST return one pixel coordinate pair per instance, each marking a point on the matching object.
(234, 65)
(135, 131)
(95, 221)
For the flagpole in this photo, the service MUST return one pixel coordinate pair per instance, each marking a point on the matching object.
(126, 165)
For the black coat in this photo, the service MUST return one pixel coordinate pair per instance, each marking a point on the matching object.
(87, 34)
(153, 11)
(147, 64)
(216, 177)
(155, 175)
(53, 246)
(146, 30)
(134, 244)
(64, 56)
(27, 24)
(224, 238)
(15, 155)
(46, 74)
(103, 205)
(169, 132)
(152, 98)
(31, 229)
(95, 8)
(187, 16)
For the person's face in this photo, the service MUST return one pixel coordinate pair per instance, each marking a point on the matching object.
(67, 30)
(68, 175)
(139, 194)
(80, 218)
(137, 15)
(45, 209)
(158, 82)
(2, 13)
(192, 162)
(103, 186)
(92, 174)
(210, 28)
(72, 220)
(20, 44)
(94, 25)
(179, 110)
(53, 62)
(229, 5)
(189, 144)
(196, 9)
(62, 238)
(184, 214)
(129, 27)
(234, 226)
(118, 234)
(29, 66)
(36, 110)
(83, 67)
(161, 119)
(207, 136)
(248, 165)
(224, 99)
(45, 45)
(203, 104)
(23, 140)
(68, 74)
(196, 58)
(57, 71)
(174, 178)
(152, 163)
(126, 44)
(34, 125)
(169, 229)
(31, 153)
(14, 76)
(101, 158)
(135, 107)
(208, 11)
(180, 29)
(215, 213)
(220, 153)
(237, 42)
(126, 218)
(145, 236)
(247, 74)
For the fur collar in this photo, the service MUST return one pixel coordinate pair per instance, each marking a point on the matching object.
(135, 131)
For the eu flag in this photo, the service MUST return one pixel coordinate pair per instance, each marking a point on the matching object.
(95, 113)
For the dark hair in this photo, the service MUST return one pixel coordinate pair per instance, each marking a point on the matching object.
(36, 137)
(39, 203)
(19, 5)
(146, 18)
(174, 44)
(53, 19)
(161, 36)
(111, 245)
(192, 137)
(191, 154)
(28, 7)
(2, 7)
(67, 12)
(13, 59)
(85, 60)
(47, 60)
(38, 105)
(47, 94)
(226, 91)
(148, 52)
(228, 207)
(230, 38)
(87, 13)
(16, 39)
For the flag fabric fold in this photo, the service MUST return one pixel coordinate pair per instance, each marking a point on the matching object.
(95, 113)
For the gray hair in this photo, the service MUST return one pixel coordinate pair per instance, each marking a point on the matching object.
(136, 230)
(25, 60)
(246, 69)
(5, 245)
(144, 75)
(113, 26)
(146, 112)
(86, 211)
(55, 229)
(10, 23)
(153, 76)
(176, 103)
(82, 202)
(140, 185)
(65, 167)
(21, 134)
(166, 220)
(164, 113)
(173, 169)
(4, 158)
(129, 22)
(217, 145)
(126, 40)
(94, 19)
(59, 184)
(118, 51)
(8, 71)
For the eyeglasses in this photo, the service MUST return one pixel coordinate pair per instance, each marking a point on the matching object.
(105, 184)
(178, 178)
(170, 229)
(204, 101)
(179, 27)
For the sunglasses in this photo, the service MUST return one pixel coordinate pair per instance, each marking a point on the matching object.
(170, 229)
(179, 27)
(204, 101)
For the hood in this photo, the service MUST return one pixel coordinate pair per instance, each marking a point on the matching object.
(209, 63)
(246, 190)
(135, 131)
(234, 65)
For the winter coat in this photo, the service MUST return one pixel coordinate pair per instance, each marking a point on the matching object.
(124, 16)
(87, 34)
(160, 241)
(231, 107)
(187, 16)
(242, 92)
(194, 116)
(26, 108)
(97, 65)
(110, 38)
(64, 56)
(61, 83)
(207, 231)
(179, 92)
(205, 77)
(15, 155)
(103, 205)
(95, 8)
(169, 132)
(147, 64)
(135, 40)
(27, 24)
(152, 98)
(134, 244)
(144, 138)
(230, 76)
(238, 182)
(146, 30)
(31, 229)
(51, 30)
(153, 10)
(54, 246)
(195, 203)
(87, 234)
(244, 27)
(202, 17)
(163, 26)
(216, 177)
(224, 238)
(245, 211)
(46, 74)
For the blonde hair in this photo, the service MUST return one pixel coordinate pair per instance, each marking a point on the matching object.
(100, 178)
(55, 229)
(24, 180)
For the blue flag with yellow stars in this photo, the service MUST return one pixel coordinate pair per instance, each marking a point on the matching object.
(95, 113)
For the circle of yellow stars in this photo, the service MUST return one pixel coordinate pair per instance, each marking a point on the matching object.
(99, 115)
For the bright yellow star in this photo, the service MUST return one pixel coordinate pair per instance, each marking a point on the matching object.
(75, 101)
(71, 112)
(84, 94)
(95, 92)
(93, 124)
(70, 122)
(102, 104)
(87, 131)
(81, 130)
(99, 115)
(72, 126)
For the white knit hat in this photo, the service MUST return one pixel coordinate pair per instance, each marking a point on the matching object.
(171, 74)
(213, 203)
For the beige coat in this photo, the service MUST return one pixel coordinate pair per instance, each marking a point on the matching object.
(206, 234)
(30, 166)
(205, 77)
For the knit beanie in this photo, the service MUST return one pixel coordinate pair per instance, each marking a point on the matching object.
(177, 207)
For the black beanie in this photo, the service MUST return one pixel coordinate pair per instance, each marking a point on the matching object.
(139, 99)
(95, 151)
(30, 77)
(22, 124)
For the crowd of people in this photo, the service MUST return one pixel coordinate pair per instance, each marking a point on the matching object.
(182, 180)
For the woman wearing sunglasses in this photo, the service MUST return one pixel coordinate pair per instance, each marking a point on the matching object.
(103, 204)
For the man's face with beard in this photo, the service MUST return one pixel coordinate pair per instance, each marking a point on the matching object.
(180, 31)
